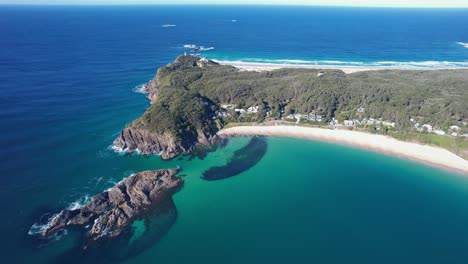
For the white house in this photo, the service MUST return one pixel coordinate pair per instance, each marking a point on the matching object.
(253, 109)
(427, 127)
(389, 124)
(349, 123)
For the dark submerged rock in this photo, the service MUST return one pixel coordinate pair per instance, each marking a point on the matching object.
(242, 160)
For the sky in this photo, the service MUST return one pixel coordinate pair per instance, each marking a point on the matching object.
(358, 3)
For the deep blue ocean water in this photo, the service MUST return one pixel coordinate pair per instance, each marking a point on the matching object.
(68, 82)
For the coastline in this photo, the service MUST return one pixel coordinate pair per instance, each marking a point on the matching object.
(261, 66)
(429, 155)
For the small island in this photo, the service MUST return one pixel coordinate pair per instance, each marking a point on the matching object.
(110, 213)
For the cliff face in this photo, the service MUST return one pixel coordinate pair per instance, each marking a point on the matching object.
(178, 119)
(135, 139)
(110, 212)
(151, 89)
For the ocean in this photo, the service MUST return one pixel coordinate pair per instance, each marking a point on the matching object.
(69, 82)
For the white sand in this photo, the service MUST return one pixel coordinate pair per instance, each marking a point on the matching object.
(422, 153)
(259, 67)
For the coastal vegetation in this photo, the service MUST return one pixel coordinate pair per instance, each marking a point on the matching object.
(196, 97)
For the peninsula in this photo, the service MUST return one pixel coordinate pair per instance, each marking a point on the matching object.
(194, 99)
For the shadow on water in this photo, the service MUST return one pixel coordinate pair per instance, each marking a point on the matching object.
(201, 152)
(142, 235)
(242, 160)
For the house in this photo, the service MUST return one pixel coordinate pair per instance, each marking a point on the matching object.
(427, 127)
(388, 124)
(439, 132)
(313, 117)
(361, 110)
(334, 122)
(349, 123)
(371, 121)
(223, 114)
(228, 106)
(253, 109)
(455, 128)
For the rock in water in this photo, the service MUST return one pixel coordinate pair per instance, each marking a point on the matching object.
(110, 212)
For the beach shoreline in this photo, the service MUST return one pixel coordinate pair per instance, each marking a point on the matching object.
(429, 155)
(261, 67)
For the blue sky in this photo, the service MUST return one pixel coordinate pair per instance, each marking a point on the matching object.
(378, 3)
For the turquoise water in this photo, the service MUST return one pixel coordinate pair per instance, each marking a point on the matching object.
(67, 87)
(315, 202)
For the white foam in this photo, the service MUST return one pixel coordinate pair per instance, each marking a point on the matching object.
(464, 44)
(139, 88)
(60, 234)
(190, 46)
(118, 150)
(337, 63)
(79, 203)
(202, 48)
(37, 228)
(168, 25)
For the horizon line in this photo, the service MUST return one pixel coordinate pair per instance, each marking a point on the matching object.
(231, 4)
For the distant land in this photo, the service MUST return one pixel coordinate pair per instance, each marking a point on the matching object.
(193, 98)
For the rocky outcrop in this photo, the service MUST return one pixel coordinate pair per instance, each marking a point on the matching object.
(141, 140)
(151, 89)
(111, 212)
(145, 142)
(178, 120)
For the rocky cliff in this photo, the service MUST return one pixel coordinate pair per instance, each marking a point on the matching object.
(178, 119)
(145, 142)
(111, 212)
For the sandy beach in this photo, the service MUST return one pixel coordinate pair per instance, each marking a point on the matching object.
(259, 67)
(429, 155)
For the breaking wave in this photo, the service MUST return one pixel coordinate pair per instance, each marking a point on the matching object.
(196, 48)
(79, 203)
(39, 229)
(386, 64)
(118, 150)
(464, 44)
(139, 88)
(206, 48)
